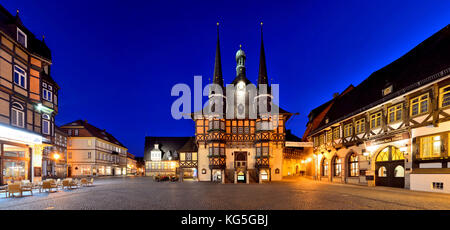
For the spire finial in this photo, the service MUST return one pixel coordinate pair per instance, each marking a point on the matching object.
(217, 76)
(261, 23)
(17, 11)
(240, 46)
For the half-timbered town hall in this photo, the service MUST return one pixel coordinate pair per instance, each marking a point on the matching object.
(231, 145)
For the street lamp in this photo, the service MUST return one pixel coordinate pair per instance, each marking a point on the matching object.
(56, 156)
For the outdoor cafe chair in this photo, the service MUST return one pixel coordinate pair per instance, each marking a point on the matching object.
(90, 182)
(37, 185)
(26, 186)
(14, 188)
(4, 189)
(66, 183)
(84, 182)
(48, 185)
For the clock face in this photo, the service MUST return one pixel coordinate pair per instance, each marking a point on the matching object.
(241, 85)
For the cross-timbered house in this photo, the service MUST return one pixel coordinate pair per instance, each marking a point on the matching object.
(393, 129)
(28, 101)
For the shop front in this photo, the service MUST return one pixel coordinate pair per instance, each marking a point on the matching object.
(20, 155)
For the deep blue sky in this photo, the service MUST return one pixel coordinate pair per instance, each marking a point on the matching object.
(116, 61)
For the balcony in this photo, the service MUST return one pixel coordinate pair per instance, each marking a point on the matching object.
(217, 161)
(262, 162)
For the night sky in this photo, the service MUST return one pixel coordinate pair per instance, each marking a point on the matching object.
(116, 61)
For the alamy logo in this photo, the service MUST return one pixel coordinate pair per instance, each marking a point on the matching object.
(234, 101)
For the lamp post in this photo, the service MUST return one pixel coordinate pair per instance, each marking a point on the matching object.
(55, 157)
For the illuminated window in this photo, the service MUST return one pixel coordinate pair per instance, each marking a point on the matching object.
(399, 171)
(329, 136)
(324, 167)
(444, 96)
(430, 146)
(336, 133)
(337, 166)
(321, 137)
(360, 126)
(382, 172)
(395, 113)
(353, 165)
(348, 130)
(390, 153)
(419, 105)
(20, 77)
(375, 120)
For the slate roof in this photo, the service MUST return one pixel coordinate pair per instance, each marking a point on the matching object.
(94, 131)
(166, 144)
(423, 64)
(189, 146)
(9, 24)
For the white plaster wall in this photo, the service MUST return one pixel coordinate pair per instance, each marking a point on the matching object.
(428, 130)
(203, 163)
(276, 161)
(423, 182)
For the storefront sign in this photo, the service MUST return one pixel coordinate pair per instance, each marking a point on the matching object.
(393, 138)
(299, 144)
(15, 135)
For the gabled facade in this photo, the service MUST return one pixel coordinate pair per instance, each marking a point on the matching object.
(393, 129)
(27, 104)
(92, 151)
(161, 155)
(131, 164)
(233, 146)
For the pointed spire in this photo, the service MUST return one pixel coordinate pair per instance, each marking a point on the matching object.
(18, 21)
(262, 74)
(218, 78)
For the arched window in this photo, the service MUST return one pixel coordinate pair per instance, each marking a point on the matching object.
(337, 166)
(382, 172)
(353, 165)
(45, 124)
(399, 171)
(325, 167)
(390, 153)
(17, 115)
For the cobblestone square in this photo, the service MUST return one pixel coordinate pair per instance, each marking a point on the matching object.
(138, 193)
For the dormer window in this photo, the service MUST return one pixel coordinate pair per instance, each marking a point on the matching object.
(21, 37)
(387, 90)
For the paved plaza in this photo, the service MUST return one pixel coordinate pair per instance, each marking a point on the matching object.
(296, 193)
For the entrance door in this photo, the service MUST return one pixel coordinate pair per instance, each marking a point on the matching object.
(240, 165)
(390, 168)
(69, 171)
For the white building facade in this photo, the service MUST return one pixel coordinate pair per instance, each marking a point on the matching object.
(93, 152)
